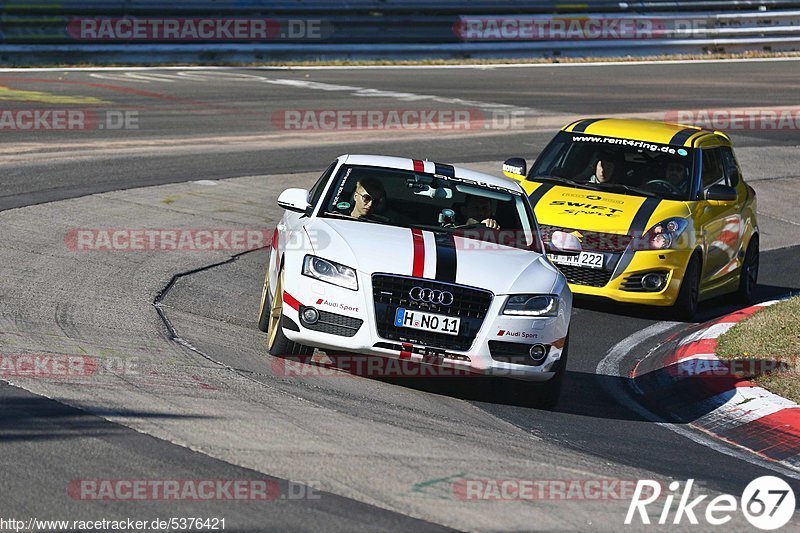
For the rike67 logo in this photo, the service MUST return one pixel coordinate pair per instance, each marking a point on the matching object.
(767, 503)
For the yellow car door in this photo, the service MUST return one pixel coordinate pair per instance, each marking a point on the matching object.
(719, 220)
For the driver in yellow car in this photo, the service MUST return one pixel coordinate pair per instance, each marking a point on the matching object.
(675, 173)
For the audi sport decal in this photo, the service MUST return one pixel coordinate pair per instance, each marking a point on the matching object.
(418, 268)
(337, 305)
(518, 334)
(446, 263)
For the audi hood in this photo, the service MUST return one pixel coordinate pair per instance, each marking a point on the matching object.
(371, 248)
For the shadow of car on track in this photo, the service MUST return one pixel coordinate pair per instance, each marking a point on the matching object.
(582, 393)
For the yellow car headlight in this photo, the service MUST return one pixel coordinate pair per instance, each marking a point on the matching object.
(663, 235)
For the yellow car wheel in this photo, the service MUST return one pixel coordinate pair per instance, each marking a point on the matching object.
(686, 305)
(748, 277)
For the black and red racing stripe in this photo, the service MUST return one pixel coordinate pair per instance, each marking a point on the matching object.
(445, 254)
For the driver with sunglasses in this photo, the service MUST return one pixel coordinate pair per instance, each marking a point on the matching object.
(368, 197)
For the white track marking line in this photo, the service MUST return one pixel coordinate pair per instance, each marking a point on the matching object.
(609, 366)
(354, 90)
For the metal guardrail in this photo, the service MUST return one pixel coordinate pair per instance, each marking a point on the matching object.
(330, 7)
(40, 31)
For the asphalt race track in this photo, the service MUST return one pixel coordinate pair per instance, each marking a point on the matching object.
(201, 400)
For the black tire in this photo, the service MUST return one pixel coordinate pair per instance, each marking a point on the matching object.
(550, 390)
(685, 307)
(748, 275)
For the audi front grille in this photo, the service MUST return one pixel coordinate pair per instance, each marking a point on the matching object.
(469, 304)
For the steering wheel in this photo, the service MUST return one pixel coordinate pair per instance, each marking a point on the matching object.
(664, 184)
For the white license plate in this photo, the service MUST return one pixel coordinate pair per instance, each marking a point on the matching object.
(406, 318)
(585, 259)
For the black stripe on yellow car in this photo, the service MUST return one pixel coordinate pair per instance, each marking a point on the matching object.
(682, 136)
(581, 126)
(637, 229)
(540, 191)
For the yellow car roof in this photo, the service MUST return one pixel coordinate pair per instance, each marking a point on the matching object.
(649, 131)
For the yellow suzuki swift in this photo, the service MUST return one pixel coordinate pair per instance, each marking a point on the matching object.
(662, 211)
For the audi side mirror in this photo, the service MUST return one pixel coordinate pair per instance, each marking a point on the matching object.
(294, 200)
(515, 168)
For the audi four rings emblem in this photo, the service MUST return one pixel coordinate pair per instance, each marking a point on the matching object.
(431, 296)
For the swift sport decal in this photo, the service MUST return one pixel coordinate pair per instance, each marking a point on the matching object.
(587, 208)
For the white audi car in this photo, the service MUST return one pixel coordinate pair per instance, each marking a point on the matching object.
(418, 261)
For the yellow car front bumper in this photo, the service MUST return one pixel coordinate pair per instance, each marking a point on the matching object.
(625, 288)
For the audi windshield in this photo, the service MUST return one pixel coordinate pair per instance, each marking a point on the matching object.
(472, 210)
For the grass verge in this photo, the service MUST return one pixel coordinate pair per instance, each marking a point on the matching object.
(772, 335)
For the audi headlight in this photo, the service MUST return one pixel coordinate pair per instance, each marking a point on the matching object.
(531, 305)
(330, 272)
(664, 234)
